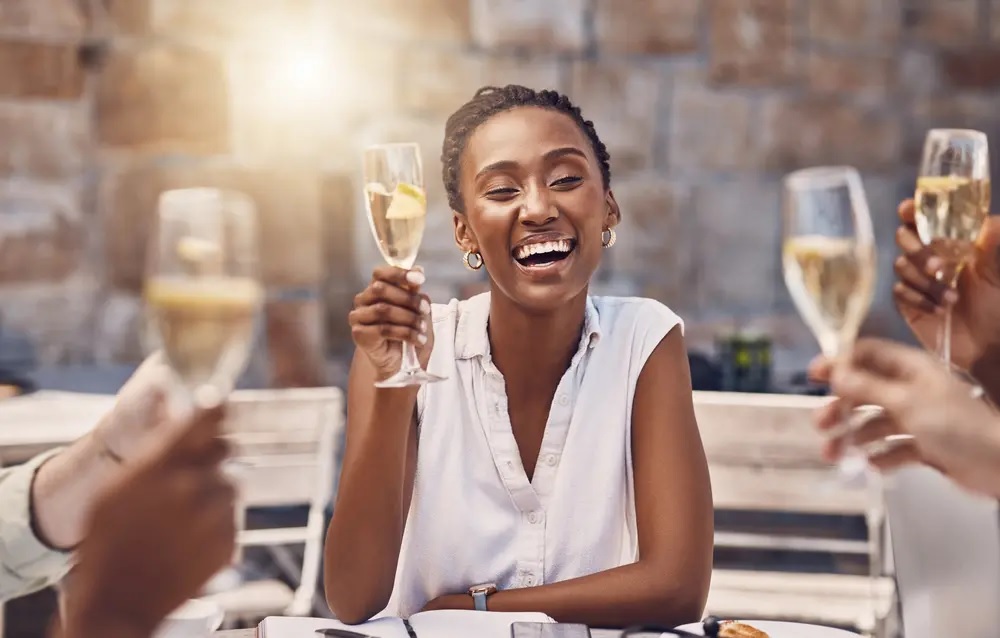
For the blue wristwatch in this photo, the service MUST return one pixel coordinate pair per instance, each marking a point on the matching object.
(479, 594)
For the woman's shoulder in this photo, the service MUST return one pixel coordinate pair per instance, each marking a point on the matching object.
(631, 314)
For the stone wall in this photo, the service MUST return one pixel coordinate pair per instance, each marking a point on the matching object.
(704, 104)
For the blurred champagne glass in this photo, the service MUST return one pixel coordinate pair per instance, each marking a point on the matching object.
(202, 294)
(829, 261)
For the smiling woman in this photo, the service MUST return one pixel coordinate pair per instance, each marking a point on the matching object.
(558, 468)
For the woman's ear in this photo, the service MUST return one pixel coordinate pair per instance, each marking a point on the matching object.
(613, 216)
(464, 237)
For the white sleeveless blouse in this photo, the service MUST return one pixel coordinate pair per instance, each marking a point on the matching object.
(475, 517)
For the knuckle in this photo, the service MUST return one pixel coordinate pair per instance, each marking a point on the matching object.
(378, 288)
(385, 330)
(381, 309)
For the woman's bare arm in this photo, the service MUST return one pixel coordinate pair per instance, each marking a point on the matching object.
(376, 484)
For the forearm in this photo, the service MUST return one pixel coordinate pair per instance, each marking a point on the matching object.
(65, 488)
(365, 533)
(640, 593)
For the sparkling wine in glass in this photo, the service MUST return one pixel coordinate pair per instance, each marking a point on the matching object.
(397, 212)
(952, 202)
(201, 291)
(828, 256)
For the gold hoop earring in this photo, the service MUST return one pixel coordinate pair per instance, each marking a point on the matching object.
(609, 237)
(473, 261)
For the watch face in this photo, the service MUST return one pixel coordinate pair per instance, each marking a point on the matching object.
(487, 588)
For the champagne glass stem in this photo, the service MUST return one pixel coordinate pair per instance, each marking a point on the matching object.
(944, 337)
(410, 362)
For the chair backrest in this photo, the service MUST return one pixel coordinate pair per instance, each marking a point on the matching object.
(286, 447)
(763, 454)
(946, 551)
(285, 443)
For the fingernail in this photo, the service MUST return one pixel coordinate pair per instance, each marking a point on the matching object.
(422, 327)
(425, 307)
(950, 296)
(422, 339)
(415, 277)
(934, 265)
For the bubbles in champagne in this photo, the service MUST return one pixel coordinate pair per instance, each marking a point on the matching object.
(397, 221)
(831, 280)
(950, 212)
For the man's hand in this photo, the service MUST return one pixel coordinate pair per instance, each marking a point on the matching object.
(975, 301)
(950, 429)
(157, 533)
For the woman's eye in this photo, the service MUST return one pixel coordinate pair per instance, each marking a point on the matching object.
(567, 181)
(501, 192)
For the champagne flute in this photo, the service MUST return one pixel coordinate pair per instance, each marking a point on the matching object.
(397, 212)
(952, 202)
(828, 256)
(201, 291)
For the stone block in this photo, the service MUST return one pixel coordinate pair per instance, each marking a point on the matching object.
(128, 17)
(804, 132)
(528, 25)
(738, 239)
(628, 123)
(753, 43)
(43, 17)
(44, 142)
(422, 21)
(436, 81)
(710, 130)
(656, 244)
(57, 317)
(163, 97)
(288, 211)
(942, 22)
(973, 69)
(855, 23)
(43, 235)
(38, 70)
(536, 72)
(863, 76)
(647, 27)
(231, 21)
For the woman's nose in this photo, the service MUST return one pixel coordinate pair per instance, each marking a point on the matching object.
(537, 209)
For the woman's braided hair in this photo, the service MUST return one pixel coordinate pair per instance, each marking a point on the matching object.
(487, 102)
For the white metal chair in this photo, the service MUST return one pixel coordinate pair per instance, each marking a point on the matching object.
(763, 456)
(285, 447)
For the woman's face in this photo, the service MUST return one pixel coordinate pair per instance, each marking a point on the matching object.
(535, 206)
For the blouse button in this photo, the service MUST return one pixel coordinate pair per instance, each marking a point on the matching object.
(563, 400)
(534, 517)
(550, 459)
(529, 581)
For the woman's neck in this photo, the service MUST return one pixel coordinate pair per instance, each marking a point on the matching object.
(526, 345)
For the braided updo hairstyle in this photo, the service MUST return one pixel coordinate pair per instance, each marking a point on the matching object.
(487, 102)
